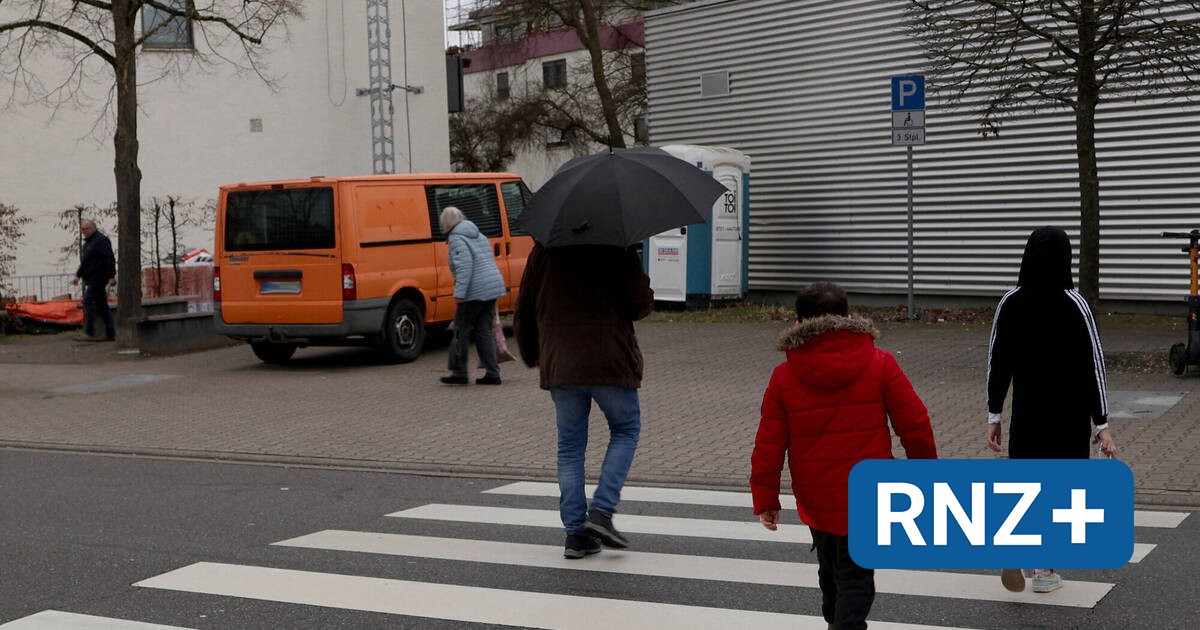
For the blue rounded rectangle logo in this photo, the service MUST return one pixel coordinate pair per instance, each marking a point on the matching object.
(991, 514)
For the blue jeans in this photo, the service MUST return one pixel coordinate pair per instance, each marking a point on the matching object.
(95, 304)
(572, 406)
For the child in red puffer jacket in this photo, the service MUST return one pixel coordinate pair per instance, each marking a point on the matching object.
(827, 408)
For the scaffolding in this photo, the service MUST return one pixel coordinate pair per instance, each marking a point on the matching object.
(379, 60)
(461, 32)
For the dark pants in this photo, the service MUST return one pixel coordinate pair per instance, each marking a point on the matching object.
(473, 320)
(95, 304)
(847, 590)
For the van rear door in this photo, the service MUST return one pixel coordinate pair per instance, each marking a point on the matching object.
(280, 261)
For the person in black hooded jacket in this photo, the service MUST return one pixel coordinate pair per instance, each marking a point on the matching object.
(1045, 344)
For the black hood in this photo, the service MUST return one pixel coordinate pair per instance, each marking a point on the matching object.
(1047, 260)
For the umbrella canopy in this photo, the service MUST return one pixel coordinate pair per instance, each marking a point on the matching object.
(619, 197)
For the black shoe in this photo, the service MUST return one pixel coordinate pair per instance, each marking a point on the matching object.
(601, 527)
(454, 380)
(488, 380)
(580, 545)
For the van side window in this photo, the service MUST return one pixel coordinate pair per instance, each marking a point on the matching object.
(295, 218)
(478, 202)
(516, 195)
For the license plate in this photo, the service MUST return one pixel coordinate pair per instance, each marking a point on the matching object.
(279, 287)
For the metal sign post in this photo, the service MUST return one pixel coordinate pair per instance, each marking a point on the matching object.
(908, 129)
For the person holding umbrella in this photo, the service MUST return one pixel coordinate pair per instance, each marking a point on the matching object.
(583, 288)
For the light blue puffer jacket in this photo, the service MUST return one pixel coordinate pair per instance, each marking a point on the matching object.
(476, 277)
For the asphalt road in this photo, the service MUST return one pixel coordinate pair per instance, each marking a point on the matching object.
(80, 530)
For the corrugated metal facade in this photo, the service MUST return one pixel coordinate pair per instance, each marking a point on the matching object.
(810, 103)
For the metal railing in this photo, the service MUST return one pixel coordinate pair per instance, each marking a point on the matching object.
(41, 288)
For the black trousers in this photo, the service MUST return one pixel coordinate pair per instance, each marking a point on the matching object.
(473, 322)
(847, 590)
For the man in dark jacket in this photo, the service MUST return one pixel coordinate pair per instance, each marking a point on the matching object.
(98, 271)
(574, 319)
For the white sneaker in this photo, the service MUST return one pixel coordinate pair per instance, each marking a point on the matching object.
(1046, 580)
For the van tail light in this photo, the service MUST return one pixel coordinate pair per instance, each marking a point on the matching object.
(349, 285)
(216, 283)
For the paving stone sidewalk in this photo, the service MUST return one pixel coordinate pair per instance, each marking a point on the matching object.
(700, 400)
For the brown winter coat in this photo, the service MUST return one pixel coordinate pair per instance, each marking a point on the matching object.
(575, 313)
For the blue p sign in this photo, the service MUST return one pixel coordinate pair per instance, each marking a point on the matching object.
(991, 514)
(908, 92)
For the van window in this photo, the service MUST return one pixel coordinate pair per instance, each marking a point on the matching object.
(516, 195)
(478, 203)
(296, 218)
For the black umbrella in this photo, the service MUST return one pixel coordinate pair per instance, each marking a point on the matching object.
(619, 197)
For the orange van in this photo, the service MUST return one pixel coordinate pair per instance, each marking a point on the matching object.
(354, 260)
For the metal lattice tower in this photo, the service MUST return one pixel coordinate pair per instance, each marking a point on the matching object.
(379, 61)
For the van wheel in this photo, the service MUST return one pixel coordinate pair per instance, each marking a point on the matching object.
(273, 352)
(404, 331)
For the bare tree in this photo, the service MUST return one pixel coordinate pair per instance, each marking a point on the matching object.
(486, 134)
(87, 33)
(173, 214)
(604, 106)
(11, 233)
(1000, 57)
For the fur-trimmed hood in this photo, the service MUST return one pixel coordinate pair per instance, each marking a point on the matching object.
(831, 351)
(805, 330)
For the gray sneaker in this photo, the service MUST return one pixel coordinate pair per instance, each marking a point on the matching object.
(601, 526)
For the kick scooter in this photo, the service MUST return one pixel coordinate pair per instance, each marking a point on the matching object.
(1183, 355)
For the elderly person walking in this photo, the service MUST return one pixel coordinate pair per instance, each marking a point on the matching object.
(98, 271)
(477, 286)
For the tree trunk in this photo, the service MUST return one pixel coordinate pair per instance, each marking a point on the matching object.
(589, 32)
(128, 176)
(1088, 96)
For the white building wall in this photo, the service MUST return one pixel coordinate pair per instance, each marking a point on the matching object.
(810, 103)
(535, 163)
(194, 127)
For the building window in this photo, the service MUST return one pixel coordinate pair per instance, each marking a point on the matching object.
(554, 74)
(502, 90)
(163, 30)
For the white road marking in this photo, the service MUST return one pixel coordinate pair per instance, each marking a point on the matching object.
(470, 603)
(920, 583)
(58, 620)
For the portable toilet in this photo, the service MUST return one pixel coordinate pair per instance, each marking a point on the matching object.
(706, 261)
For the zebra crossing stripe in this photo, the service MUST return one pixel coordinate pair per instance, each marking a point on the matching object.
(628, 523)
(58, 620)
(724, 498)
(768, 572)
(637, 524)
(471, 603)
(1143, 518)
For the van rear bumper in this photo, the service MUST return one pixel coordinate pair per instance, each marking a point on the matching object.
(360, 318)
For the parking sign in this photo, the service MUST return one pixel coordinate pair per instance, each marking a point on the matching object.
(908, 92)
